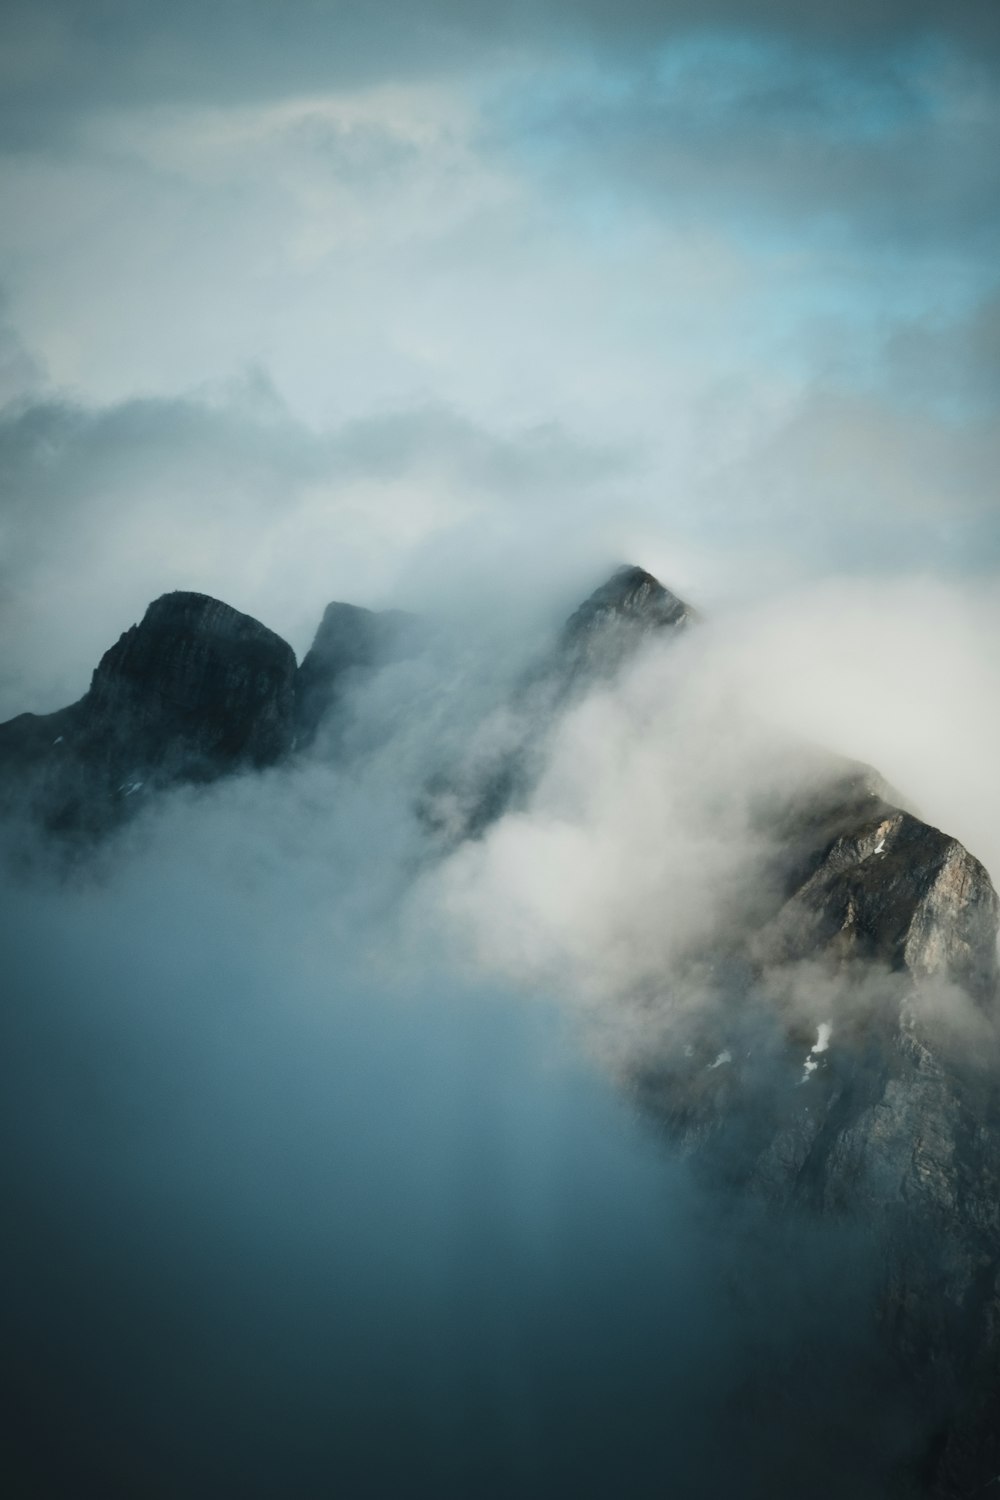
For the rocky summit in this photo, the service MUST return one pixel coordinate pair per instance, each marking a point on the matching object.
(608, 625)
(350, 641)
(849, 1071)
(194, 691)
(630, 609)
(844, 1061)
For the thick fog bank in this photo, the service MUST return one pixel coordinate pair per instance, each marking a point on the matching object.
(276, 1227)
(314, 1182)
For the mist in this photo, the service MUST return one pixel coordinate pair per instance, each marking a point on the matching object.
(645, 838)
(322, 1173)
(327, 1161)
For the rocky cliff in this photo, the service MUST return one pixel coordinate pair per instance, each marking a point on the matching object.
(844, 1063)
(848, 1069)
(350, 642)
(612, 623)
(629, 609)
(196, 690)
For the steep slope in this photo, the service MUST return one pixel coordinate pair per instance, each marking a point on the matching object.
(850, 1070)
(845, 1065)
(844, 1061)
(194, 691)
(609, 627)
(612, 622)
(350, 641)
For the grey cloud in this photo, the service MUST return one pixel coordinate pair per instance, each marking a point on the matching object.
(291, 1198)
(538, 456)
(355, 154)
(20, 372)
(105, 508)
(898, 150)
(862, 482)
(854, 25)
(949, 366)
(64, 57)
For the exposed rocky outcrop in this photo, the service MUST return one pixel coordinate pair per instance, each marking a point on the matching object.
(850, 1069)
(349, 642)
(193, 692)
(893, 890)
(196, 690)
(610, 626)
(845, 1063)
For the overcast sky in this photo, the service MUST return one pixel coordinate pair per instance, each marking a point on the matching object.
(453, 306)
(399, 303)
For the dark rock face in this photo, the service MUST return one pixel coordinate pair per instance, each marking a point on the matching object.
(896, 891)
(848, 1067)
(862, 880)
(349, 641)
(196, 690)
(597, 640)
(845, 1066)
(851, 1070)
(610, 624)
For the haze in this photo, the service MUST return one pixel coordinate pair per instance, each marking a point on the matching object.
(315, 1177)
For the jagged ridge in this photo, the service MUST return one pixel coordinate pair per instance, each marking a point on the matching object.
(888, 1115)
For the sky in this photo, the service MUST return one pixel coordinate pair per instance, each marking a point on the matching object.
(453, 307)
(420, 305)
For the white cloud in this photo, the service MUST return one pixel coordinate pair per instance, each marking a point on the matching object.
(643, 848)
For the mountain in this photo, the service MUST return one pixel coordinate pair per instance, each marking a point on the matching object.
(843, 1061)
(350, 641)
(195, 691)
(850, 1072)
(629, 610)
(612, 622)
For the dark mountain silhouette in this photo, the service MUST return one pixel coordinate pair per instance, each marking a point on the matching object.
(349, 642)
(629, 609)
(845, 1062)
(195, 691)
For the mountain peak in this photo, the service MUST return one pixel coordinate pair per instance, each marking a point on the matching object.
(186, 611)
(196, 683)
(610, 624)
(350, 640)
(630, 594)
(194, 691)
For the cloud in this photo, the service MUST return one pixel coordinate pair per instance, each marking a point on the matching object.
(646, 847)
(673, 250)
(230, 495)
(950, 365)
(450, 307)
(288, 1174)
(61, 58)
(866, 483)
(226, 491)
(19, 372)
(774, 132)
